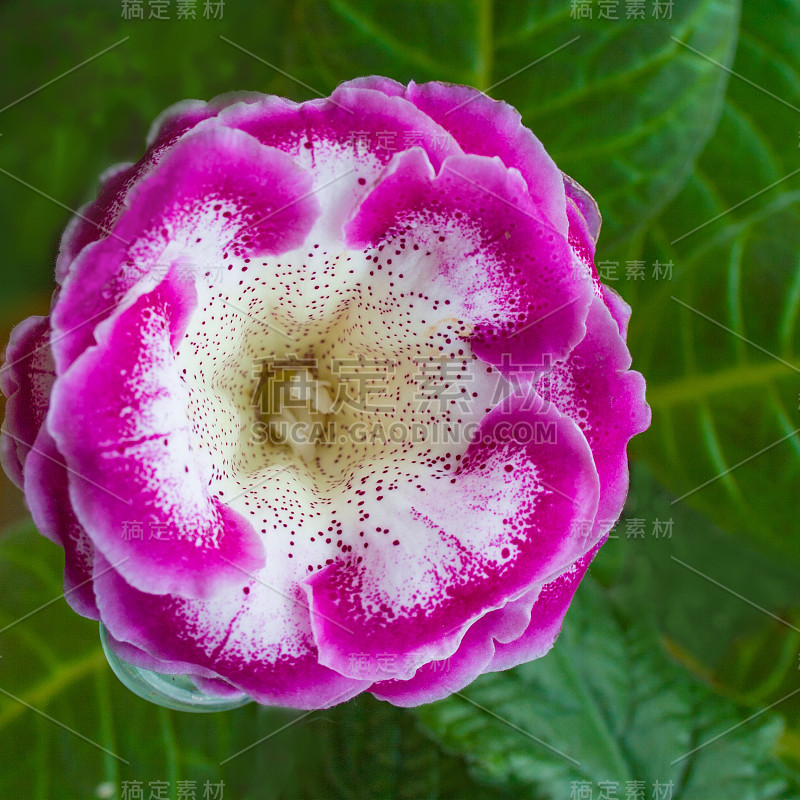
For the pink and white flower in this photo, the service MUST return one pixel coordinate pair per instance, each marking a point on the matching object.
(422, 237)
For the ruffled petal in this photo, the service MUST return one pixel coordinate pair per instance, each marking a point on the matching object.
(97, 217)
(31, 459)
(26, 379)
(495, 642)
(468, 537)
(595, 388)
(213, 192)
(47, 493)
(255, 635)
(119, 417)
(487, 127)
(619, 309)
(439, 679)
(586, 206)
(346, 140)
(511, 277)
(547, 617)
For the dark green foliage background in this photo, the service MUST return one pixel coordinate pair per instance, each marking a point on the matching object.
(654, 659)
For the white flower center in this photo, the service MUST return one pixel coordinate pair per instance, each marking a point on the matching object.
(294, 405)
(312, 378)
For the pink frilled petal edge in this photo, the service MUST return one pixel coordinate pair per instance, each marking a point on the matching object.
(223, 638)
(486, 127)
(243, 198)
(494, 643)
(26, 378)
(502, 522)
(118, 416)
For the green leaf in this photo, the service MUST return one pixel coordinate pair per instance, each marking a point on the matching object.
(367, 750)
(727, 612)
(724, 399)
(618, 104)
(65, 134)
(609, 699)
(703, 588)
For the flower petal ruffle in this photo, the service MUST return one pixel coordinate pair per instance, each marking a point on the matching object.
(486, 647)
(118, 417)
(469, 539)
(216, 190)
(247, 635)
(26, 378)
(514, 279)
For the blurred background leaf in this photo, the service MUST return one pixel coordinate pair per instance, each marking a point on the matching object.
(726, 611)
(720, 397)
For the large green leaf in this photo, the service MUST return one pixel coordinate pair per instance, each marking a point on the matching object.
(64, 122)
(618, 103)
(703, 588)
(368, 750)
(607, 706)
(729, 613)
(721, 397)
